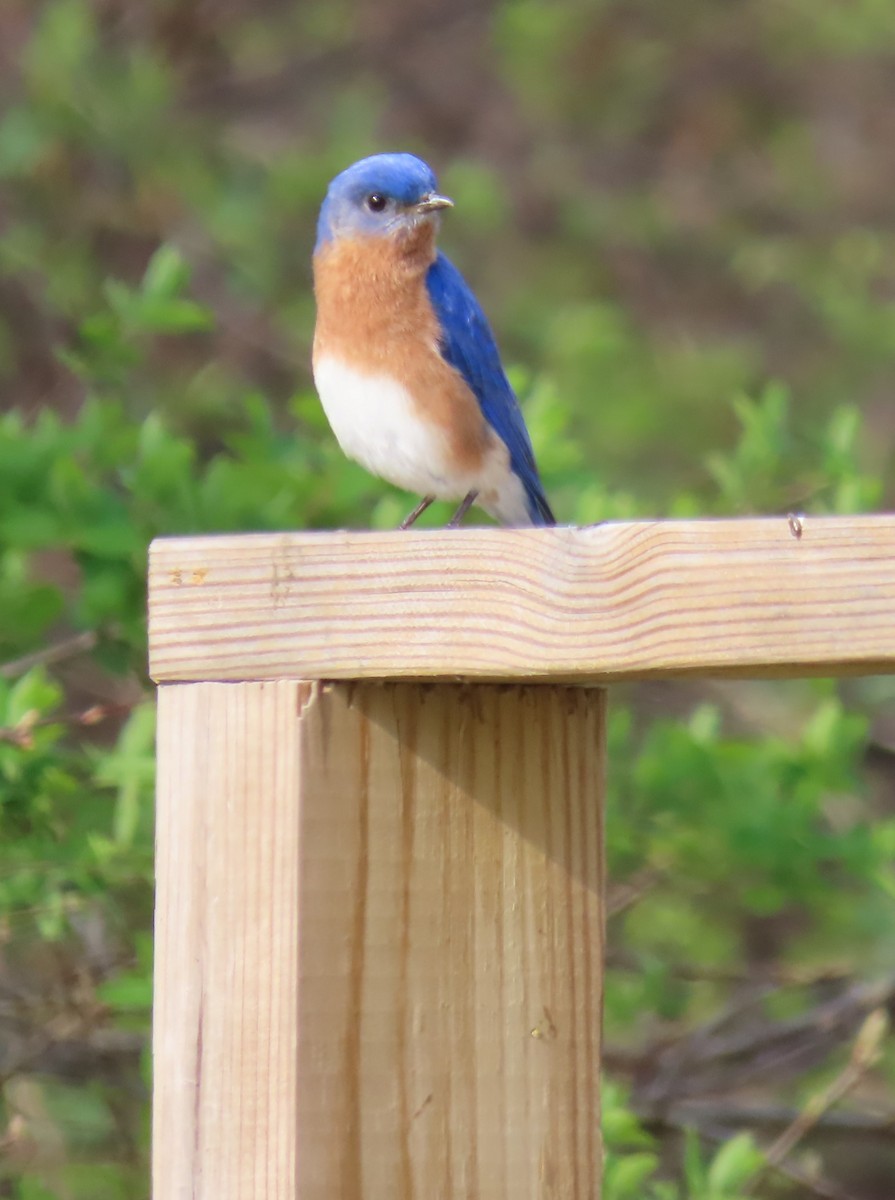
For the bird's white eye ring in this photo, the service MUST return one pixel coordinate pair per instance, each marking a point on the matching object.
(376, 202)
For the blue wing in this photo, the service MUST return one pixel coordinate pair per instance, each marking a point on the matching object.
(468, 345)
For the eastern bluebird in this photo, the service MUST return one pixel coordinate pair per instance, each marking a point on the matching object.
(404, 359)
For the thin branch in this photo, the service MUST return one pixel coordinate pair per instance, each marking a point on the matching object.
(22, 735)
(779, 976)
(771, 1117)
(629, 892)
(816, 1185)
(708, 1060)
(79, 643)
(865, 1053)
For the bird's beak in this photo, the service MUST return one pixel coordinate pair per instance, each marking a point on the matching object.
(432, 203)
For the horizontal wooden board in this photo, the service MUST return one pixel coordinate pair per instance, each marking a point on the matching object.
(752, 597)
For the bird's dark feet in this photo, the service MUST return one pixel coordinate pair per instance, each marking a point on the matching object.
(417, 512)
(461, 512)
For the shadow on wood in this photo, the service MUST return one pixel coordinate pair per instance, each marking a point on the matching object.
(380, 947)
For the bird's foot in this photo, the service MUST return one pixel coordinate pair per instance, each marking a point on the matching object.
(417, 512)
(468, 501)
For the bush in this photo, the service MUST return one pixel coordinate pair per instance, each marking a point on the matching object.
(699, 277)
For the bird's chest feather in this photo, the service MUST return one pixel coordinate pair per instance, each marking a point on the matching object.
(377, 423)
(394, 404)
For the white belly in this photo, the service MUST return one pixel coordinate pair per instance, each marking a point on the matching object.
(376, 424)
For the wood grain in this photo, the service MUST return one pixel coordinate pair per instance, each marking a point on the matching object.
(596, 604)
(380, 942)
(226, 943)
(452, 943)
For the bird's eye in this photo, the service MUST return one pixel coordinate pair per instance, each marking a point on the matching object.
(376, 202)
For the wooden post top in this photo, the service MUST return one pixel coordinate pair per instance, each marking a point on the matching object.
(749, 597)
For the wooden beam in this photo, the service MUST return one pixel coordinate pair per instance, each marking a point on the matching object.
(225, 1069)
(607, 602)
(379, 942)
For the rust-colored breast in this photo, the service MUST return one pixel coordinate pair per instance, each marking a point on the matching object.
(374, 313)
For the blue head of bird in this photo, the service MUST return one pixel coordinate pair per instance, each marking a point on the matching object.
(381, 196)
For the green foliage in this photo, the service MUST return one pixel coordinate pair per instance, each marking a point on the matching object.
(699, 284)
(773, 468)
(732, 831)
(633, 1169)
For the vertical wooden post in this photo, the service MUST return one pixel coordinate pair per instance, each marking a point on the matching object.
(379, 942)
(226, 942)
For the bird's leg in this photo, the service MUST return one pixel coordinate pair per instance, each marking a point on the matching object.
(417, 512)
(468, 501)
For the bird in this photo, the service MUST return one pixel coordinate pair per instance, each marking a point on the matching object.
(404, 360)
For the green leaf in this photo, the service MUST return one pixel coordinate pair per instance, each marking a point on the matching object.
(35, 692)
(166, 275)
(129, 992)
(130, 768)
(626, 1176)
(621, 1128)
(159, 314)
(735, 1165)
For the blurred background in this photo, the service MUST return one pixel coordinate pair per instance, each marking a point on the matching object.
(680, 220)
